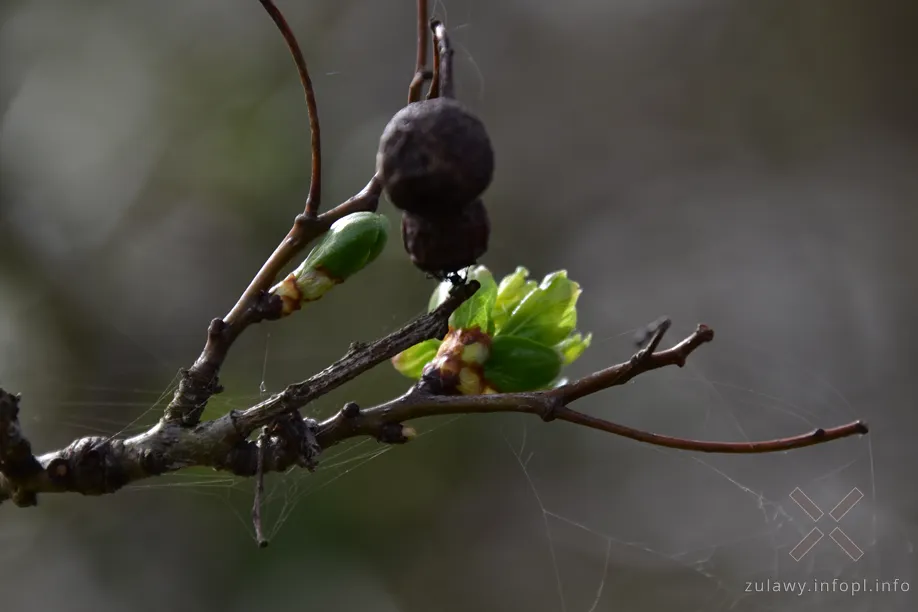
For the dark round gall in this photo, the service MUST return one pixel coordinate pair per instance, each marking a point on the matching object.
(443, 245)
(434, 156)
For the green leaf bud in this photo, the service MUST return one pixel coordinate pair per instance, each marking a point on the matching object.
(350, 244)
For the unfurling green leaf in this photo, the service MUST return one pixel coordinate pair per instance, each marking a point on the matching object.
(476, 311)
(511, 291)
(439, 295)
(519, 364)
(547, 314)
(411, 362)
(572, 347)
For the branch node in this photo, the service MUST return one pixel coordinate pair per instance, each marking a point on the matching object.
(89, 466)
(395, 433)
(216, 328)
(299, 436)
(652, 335)
(354, 348)
(59, 471)
(268, 307)
(350, 411)
(551, 406)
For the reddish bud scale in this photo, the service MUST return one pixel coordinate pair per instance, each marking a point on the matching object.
(459, 364)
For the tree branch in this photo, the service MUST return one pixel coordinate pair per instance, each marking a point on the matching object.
(553, 404)
(16, 459)
(95, 466)
(421, 73)
(99, 465)
(199, 382)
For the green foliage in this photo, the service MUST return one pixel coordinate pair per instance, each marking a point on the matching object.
(411, 362)
(532, 327)
(476, 311)
(520, 364)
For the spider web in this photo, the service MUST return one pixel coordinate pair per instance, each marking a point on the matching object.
(612, 524)
(725, 541)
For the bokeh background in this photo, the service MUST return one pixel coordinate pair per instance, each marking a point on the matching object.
(751, 165)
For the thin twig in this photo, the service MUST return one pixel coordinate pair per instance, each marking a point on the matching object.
(420, 62)
(313, 200)
(552, 404)
(817, 436)
(200, 381)
(642, 361)
(260, 490)
(355, 362)
(372, 421)
(444, 78)
(434, 91)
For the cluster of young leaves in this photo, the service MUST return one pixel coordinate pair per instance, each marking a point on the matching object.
(531, 326)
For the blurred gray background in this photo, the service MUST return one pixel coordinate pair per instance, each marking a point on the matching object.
(748, 164)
